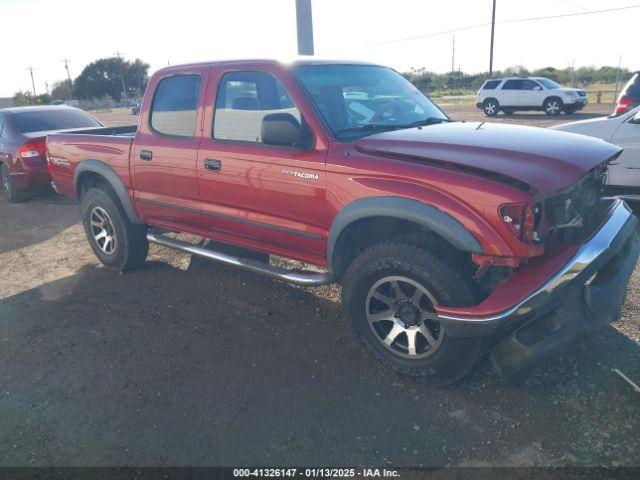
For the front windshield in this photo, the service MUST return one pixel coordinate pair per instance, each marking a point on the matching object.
(550, 84)
(357, 100)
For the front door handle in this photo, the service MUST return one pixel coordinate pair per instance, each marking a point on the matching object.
(212, 165)
(146, 155)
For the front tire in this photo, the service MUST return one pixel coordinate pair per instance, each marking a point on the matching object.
(118, 243)
(9, 190)
(491, 107)
(389, 293)
(553, 106)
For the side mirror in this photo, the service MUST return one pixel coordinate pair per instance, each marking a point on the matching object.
(537, 87)
(283, 129)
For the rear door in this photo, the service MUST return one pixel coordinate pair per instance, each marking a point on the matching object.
(263, 196)
(626, 171)
(510, 93)
(165, 150)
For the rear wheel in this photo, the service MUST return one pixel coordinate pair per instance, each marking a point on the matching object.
(390, 291)
(118, 243)
(553, 106)
(491, 107)
(9, 190)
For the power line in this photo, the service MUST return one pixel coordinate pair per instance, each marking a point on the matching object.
(590, 12)
(515, 20)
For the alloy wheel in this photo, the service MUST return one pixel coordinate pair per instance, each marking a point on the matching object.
(6, 182)
(490, 108)
(400, 314)
(102, 230)
(553, 107)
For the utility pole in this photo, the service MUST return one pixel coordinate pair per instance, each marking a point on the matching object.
(66, 67)
(304, 24)
(453, 63)
(493, 28)
(124, 90)
(33, 84)
(615, 95)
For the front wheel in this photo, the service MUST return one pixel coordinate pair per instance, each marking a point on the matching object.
(390, 291)
(116, 242)
(553, 106)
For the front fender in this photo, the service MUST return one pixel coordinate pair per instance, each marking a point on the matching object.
(411, 210)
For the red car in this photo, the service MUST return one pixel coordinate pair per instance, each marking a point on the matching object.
(22, 144)
(451, 239)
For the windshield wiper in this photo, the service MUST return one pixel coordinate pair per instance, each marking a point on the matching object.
(375, 127)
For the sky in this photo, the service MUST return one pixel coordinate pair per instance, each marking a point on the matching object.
(41, 33)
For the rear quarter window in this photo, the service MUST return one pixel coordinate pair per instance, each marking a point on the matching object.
(174, 110)
(491, 85)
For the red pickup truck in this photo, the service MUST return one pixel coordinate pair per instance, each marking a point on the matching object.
(451, 239)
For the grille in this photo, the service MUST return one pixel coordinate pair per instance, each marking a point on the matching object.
(573, 215)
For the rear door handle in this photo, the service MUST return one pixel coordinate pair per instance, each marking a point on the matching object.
(212, 165)
(146, 155)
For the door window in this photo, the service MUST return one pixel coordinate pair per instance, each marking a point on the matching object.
(529, 85)
(174, 111)
(512, 85)
(243, 100)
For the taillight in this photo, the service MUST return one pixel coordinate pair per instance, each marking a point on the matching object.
(33, 149)
(623, 106)
(522, 220)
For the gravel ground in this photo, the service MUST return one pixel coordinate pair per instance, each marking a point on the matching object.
(189, 363)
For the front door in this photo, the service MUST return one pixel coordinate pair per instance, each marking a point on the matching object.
(531, 94)
(625, 170)
(165, 150)
(263, 196)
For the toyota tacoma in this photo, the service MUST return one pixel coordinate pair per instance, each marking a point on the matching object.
(451, 239)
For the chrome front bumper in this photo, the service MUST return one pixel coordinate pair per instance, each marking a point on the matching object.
(618, 228)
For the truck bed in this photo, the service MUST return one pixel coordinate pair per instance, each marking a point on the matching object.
(109, 145)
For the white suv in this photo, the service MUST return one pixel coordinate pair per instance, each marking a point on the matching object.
(528, 93)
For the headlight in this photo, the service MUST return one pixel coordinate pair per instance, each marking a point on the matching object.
(572, 94)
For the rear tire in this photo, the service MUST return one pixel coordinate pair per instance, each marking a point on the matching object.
(388, 292)
(118, 243)
(491, 107)
(9, 190)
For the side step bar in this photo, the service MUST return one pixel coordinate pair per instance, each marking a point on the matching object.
(299, 278)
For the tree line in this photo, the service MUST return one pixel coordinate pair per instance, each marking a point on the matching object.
(583, 76)
(106, 78)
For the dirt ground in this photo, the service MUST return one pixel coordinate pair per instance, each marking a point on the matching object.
(184, 362)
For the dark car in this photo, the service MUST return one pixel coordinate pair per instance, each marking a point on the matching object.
(629, 97)
(23, 132)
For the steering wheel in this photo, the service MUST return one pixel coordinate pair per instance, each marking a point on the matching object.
(382, 110)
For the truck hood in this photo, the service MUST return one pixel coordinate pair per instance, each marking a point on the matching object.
(545, 160)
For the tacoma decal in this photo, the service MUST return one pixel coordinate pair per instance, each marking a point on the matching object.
(307, 175)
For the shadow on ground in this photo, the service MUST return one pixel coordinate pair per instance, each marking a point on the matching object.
(215, 366)
(34, 220)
